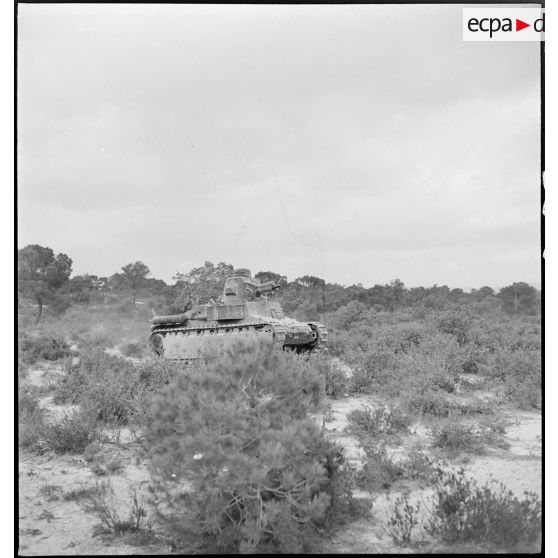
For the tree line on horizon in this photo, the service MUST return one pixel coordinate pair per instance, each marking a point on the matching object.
(45, 279)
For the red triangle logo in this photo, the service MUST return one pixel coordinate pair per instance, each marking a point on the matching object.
(519, 25)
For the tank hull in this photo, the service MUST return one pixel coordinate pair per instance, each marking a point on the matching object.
(209, 339)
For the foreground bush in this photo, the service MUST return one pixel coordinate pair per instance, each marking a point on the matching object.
(237, 464)
(464, 512)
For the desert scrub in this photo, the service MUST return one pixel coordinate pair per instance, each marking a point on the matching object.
(31, 421)
(429, 402)
(374, 366)
(83, 493)
(519, 374)
(380, 470)
(455, 437)
(101, 502)
(525, 395)
(101, 460)
(70, 435)
(41, 346)
(382, 366)
(433, 403)
(464, 512)
(73, 433)
(237, 463)
(119, 392)
(457, 324)
(98, 325)
(379, 420)
(337, 384)
(437, 361)
(404, 518)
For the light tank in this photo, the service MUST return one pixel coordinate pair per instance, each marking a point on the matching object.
(243, 311)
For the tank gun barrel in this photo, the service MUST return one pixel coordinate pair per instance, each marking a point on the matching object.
(267, 287)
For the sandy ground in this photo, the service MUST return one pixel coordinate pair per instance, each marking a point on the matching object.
(519, 468)
(48, 524)
(62, 527)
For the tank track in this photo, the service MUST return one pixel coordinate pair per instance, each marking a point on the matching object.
(255, 328)
(321, 342)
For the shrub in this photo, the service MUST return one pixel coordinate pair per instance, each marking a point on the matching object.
(41, 346)
(526, 395)
(438, 358)
(455, 323)
(106, 383)
(117, 391)
(409, 337)
(373, 366)
(381, 471)
(396, 360)
(381, 420)
(521, 365)
(464, 512)
(237, 463)
(73, 433)
(102, 502)
(519, 372)
(435, 404)
(402, 521)
(82, 493)
(430, 402)
(454, 437)
(420, 466)
(445, 383)
(31, 423)
(336, 381)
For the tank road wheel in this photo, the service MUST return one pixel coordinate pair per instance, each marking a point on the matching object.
(156, 344)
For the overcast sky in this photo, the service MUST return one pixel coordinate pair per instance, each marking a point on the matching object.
(356, 143)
